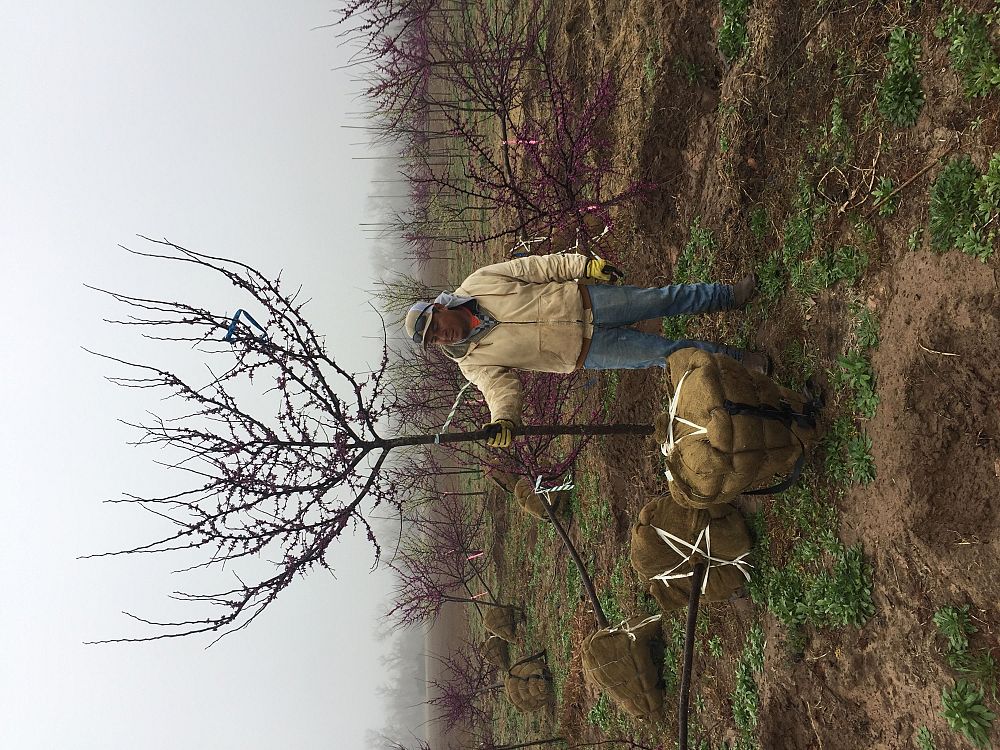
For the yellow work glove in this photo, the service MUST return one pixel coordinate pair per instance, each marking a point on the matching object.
(599, 269)
(501, 436)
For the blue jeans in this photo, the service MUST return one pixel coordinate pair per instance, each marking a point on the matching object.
(615, 347)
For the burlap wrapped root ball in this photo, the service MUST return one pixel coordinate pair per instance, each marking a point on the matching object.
(668, 541)
(501, 622)
(625, 662)
(531, 502)
(528, 686)
(495, 652)
(726, 454)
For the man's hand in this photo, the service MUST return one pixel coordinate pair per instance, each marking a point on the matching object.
(599, 269)
(501, 434)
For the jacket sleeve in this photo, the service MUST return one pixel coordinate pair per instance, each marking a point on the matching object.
(538, 269)
(500, 387)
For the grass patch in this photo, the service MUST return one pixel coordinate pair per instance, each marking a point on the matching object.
(799, 364)
(820, 582)
(759, 223)
(848, 453)
(955, 625)
(609, 392)
(969, 49)
(696, 259)
(964, 208)
(746, 702)
(733, 32)
(866, 333)
(900, 97)
(854, 371)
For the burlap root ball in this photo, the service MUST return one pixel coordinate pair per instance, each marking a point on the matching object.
(738, 452)
(531, 502)
(625, 662)
(651, 555)
(528, 686)
(495, 652)
(501, 622)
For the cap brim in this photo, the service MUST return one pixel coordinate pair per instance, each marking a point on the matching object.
(427, 325)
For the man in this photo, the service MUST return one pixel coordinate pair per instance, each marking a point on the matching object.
(533, 313)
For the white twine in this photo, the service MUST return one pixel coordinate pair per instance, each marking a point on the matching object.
(576, 243)
(524, 243)
(677, 544)
(451, 414)
(624, 627)
(668, 447)
(539, 490)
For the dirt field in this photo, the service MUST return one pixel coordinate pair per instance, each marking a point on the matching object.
(790, 135)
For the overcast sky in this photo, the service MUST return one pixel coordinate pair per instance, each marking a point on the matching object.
(217, 125)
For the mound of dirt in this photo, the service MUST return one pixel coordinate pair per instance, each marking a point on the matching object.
(937, 432)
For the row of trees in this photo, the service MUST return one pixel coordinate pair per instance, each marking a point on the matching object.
(494, 144)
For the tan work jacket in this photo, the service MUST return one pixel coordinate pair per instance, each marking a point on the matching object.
(543, 325)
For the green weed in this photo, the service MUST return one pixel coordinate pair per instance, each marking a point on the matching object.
(676, 327)
(807, 277)
(865, 327)
(965, 712)
(964, 208)
(745, 699)
(847, 68)
(715, 647)
(956, 626)
(846, 263)
(807, 592)
(952, 202)
(673, 650)
(864, 231)
(854, 371)
(915, 239)
(848, 453)
(605, 716)
(886, 202)
(970, 51)
(733, 32)
(900, 97)
(800, 363)
(837, 129)
(924, 740)
(691, 71)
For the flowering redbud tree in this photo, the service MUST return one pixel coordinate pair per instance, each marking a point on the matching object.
(277, 485)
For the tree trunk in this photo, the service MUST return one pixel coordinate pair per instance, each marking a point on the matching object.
(549, 429)
(588, 583)
(683, 699)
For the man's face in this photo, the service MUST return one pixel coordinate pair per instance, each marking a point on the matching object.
(448, 325)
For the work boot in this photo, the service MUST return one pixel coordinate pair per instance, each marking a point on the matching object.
(815, 398)
(744, 290)
(758, 362)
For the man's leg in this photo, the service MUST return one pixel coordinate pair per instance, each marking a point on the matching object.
(628, 349)
(622, 305)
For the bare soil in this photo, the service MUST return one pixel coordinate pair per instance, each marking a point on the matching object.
(719, 141)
